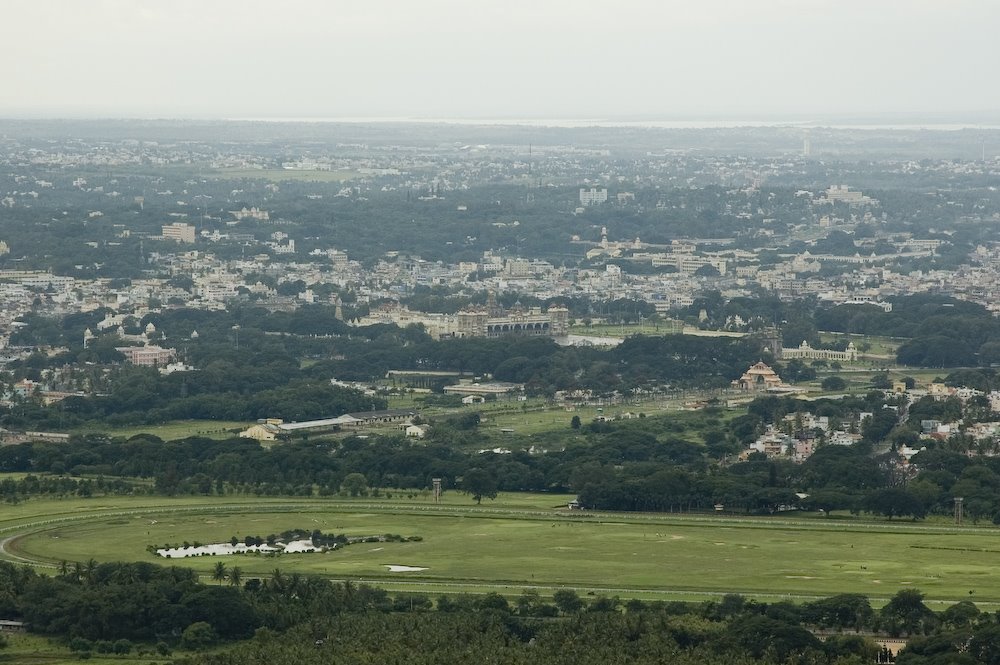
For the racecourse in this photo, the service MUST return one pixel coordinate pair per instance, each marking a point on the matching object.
(525, 541)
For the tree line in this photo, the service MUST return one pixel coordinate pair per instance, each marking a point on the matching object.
(679, 462)
(114, 607)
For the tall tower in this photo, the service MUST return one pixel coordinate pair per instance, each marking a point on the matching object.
(806, 147)
(558, 320)
(771, 338)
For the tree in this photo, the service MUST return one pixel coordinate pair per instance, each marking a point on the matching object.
(198, 636)
(567, 601)
(575, 422)
(80, 644)
(828, 500)
(355, 484)
(833, 383)
(985, 645)
(480, 484)
(759, 635)
(493, 601)
(846, 610)
(235, 576)
(906, 612)
(893, 502)
(219, 571)
(881, 381)
(960, 615)
(278, 580)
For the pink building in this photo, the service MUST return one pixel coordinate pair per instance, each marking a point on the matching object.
(147, 356)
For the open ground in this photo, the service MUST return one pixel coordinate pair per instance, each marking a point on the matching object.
(529, 541)
(282, 175)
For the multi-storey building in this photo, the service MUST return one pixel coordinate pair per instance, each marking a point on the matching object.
(593, 196)
(179, 231)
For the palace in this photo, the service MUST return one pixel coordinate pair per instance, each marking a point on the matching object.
(806, 352)
(490, 320)
(495, 322)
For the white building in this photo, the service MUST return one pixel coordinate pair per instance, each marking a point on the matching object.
(845, 194)
(179, 232)
(806, 352)
(593, 196)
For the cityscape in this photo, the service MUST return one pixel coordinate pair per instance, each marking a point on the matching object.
(488, 333)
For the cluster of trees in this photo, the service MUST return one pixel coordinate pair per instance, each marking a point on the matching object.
(250, 361)
(293, 618)
(664, 463)
(261, 374)
(940, 331)
(13, 489)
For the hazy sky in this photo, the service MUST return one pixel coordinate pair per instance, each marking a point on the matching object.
(497, 58)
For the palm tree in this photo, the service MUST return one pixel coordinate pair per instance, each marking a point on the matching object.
(89, 569)
(294, 582)
(219, 572)
(277, 580)
(126, 573)
(235, 576)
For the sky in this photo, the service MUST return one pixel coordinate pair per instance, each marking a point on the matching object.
(497, 58)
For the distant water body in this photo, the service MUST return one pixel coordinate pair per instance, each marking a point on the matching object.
(727, 123)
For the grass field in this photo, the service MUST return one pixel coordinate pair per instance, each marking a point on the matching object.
(538, 421)
(27, 648)
(178, 429)
(527, 540)
(880, 346)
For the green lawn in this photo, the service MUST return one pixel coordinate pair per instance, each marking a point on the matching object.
(880, 346)
(178, 429)
(525, 540)
(38, 650)
(533, 421)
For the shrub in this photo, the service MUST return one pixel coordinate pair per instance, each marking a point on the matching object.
(198, 636)
(80, 644)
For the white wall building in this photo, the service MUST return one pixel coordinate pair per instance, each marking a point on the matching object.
(593, 196)
(179, 232)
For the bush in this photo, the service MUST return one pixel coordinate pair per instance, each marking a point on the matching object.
(80, 644)
(198, 636)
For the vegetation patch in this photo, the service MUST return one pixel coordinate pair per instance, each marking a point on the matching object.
(291, 541)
